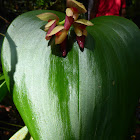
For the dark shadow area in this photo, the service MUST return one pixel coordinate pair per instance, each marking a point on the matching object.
(13, 59)
(56, 49)
(3, 28)
(136, 20)
(28, 136)
(89, 43)
(10, 119)
(8, 112)
(82, 49)
(42, 27)
(71, 39)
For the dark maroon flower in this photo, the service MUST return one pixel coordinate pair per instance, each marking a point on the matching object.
(81, 41)
(68, 22)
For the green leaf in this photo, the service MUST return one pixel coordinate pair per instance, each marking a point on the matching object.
(3, 87)
(1, 77)
(22, 134)
(3, 90)
(86, 95)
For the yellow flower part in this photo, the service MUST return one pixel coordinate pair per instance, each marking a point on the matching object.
(84, 22)
(48, 16)
(80, 27)
(56, 30)
(79, 6)
(78, 30)
(85, 32)
(71, 12)
(49, 24)
(61, 36)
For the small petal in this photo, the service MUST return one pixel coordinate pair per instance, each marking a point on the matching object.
(81, 41)
(49, 24)
(68, 22)
(84, 22)
(78, 31)
(56, 30)
(49, 31)
(46, 29)
(85, 32)
(79, 6)
(48, 16)
(75, 16)
(69, 12)
(59, 39)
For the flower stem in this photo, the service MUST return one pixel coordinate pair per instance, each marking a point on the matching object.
(8, 129)
(2, 34)
(61, 22)
(10, 124)
(5, 20)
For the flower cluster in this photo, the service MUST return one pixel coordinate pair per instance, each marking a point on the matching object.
(60, 29)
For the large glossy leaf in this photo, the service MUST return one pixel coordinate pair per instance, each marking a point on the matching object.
(86, 95)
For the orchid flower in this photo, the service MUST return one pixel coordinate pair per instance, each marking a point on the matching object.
(60, 38)
(52, 22)
(80, 30)
(55, 28)
(72, 12)
(60, 34)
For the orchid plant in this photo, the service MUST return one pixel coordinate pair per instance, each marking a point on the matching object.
(66, 98)
(60, 29)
